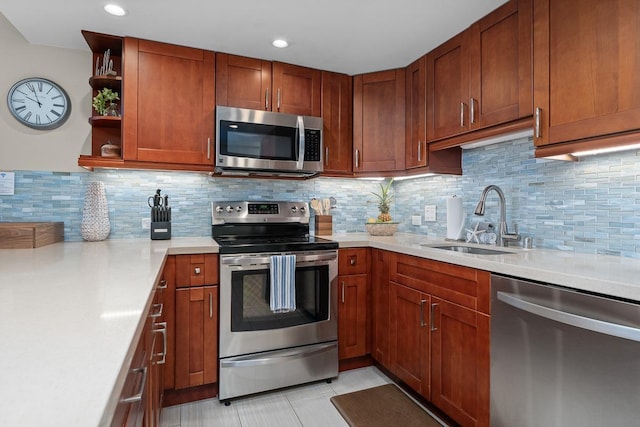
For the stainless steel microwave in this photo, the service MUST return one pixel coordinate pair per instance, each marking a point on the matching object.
(255, 142)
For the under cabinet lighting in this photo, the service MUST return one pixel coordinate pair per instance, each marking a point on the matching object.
(403, 178)
(606, 150)
(114, 9)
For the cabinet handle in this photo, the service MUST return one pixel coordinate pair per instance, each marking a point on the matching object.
(278, 99)
(156, 311)
(472, 115)
(266, 99)
(208, 148)
(342, 284)
(138, 396)
(326, 156)
(210, 305)
(196, 270)
(419, 151)
(161, 328)
(422, 313)
(538, 114)
(357, 158)
(432, 317)
(462, 114)
(163, 284)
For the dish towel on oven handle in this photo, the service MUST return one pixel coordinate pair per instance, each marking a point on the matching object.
(283, 283)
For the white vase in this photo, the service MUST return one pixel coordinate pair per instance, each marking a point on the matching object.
(95, 224)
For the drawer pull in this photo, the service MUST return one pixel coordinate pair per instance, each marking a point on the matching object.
(138, 396)
(156, 311)
(162, 329)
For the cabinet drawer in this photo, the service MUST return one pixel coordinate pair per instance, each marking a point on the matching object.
(196, 270)
(353, 261)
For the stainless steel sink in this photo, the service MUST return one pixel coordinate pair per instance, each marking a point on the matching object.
(469, 249)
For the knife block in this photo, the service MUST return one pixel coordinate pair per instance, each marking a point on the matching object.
(324, 225)
(160, 223)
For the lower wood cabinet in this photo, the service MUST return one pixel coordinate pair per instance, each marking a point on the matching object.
(352, 315)
(380, 306)
(196, 361)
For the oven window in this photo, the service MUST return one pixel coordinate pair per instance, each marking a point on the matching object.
(258, 141)
(250, 296)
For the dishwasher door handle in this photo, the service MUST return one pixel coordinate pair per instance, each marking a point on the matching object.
(588, 323)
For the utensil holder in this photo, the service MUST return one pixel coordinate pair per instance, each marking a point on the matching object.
(324, 225)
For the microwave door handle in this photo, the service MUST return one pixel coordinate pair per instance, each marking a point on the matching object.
(301, 144)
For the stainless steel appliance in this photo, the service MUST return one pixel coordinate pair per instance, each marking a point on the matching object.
(560, 357)
(255, 142)
(261, 349)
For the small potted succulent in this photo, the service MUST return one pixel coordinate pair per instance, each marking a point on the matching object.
(104, 103)
(383, 225)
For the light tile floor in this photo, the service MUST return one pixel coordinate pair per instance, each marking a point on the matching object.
(306, 405)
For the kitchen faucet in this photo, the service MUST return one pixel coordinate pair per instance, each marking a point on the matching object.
(504, 237)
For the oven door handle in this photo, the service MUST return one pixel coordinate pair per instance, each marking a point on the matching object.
(273, 358)
(244, 260)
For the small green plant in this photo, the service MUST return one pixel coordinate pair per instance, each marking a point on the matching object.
(103, 100)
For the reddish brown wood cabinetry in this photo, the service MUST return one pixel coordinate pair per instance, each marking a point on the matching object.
(380, 348)
(353, 302)
(272, 86)
(416, 150)
(482, 78)
(586, 89)
(337, 114)
(196, 336)
(379, 121)
(169, 104)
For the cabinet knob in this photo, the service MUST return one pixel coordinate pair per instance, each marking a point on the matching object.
(196, 270)
(352, 261)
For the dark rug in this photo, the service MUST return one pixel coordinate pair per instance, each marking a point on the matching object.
(382, 406)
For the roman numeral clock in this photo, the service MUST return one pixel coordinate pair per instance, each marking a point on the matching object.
(39, 103)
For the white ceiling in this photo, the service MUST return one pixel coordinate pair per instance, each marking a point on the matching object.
(349, 36)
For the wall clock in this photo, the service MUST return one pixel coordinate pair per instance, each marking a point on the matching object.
(39, 103)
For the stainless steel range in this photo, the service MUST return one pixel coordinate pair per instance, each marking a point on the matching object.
(262, 348)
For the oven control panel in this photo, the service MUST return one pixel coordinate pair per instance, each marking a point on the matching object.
(256, 212)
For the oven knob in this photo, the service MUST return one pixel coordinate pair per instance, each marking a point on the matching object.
(294, 209)
(219, 209)
(239, 209)
(229, 209)
(302, 209)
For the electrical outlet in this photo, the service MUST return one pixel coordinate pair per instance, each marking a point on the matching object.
(145, 223)
(430, 213)
(416, 220)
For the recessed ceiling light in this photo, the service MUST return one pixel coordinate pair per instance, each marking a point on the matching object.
(280, 43)
(114, 9)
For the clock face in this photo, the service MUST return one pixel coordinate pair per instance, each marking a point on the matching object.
(39, 103)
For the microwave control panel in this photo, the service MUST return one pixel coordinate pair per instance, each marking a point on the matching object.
(312, 144)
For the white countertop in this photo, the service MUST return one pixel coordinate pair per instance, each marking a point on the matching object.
(69, 312)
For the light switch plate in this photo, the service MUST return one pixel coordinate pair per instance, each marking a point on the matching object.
(430, 213)
(145, 223)
(416, 220)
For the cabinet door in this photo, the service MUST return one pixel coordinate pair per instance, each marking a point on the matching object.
(460, 363)
(380, 308)
(196, 336)
(337, 113)
(416, 116)
(352, 316)
(500, 72)
(169, 104)
(243, 82)
(448, 88)
(586, 56)
(379, 121)
(297, 90)
(409, 323)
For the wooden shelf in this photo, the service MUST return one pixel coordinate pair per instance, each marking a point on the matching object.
(105, 121)
(112, 82)
(100, 42)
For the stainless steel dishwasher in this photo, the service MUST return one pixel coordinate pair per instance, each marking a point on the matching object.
(562, 358)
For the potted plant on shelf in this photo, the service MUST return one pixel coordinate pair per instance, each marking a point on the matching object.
(104, 103)
(383, 225)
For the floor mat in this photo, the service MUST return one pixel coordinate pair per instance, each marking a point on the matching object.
(382, 406)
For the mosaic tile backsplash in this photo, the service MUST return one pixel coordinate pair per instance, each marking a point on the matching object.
(590, 206)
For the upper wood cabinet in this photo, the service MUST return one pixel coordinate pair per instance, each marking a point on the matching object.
(337, 114)
(169, 104)
(263, 85)
(416, 151)
(586, 86)
(379, 121)
(482, 77)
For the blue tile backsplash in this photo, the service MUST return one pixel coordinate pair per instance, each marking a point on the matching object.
(589, 206)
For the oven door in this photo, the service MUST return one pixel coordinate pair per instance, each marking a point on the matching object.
(247, 324)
